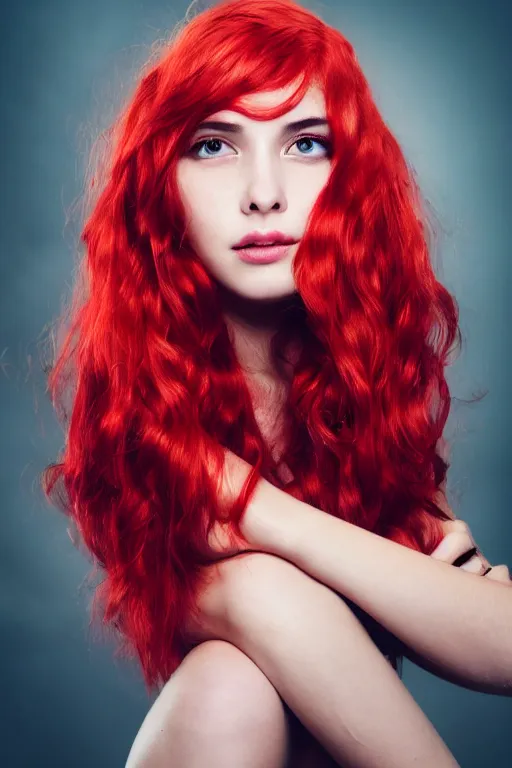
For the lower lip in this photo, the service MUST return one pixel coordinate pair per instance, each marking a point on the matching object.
(263, 254)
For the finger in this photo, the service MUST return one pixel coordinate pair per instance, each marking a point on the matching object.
(475, 564)
(458, 548)
(499, 573)
(453, 545)
(223, 540)
(456, 525)
(473, 561)
(219, 539)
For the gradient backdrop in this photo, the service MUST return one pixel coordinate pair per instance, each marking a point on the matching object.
(440, 73)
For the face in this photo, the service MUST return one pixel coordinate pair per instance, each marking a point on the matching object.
(259, 176)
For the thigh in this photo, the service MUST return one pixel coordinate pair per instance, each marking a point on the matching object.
(219, 688)
(218, 703)
(233, 679)
(218, 676)
(303, 749)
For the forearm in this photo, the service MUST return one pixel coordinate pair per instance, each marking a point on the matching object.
(455, 621)
(322, 662)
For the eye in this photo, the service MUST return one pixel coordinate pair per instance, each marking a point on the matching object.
(198, 146)
(324, 143)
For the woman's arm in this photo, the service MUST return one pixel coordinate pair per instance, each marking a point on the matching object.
(457, 622)
(321, 661)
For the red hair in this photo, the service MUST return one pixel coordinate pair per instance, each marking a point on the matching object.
(145, 362)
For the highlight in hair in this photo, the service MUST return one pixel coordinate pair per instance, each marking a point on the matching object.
(146, 380)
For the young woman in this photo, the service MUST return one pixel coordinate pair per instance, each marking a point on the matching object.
(253, 449)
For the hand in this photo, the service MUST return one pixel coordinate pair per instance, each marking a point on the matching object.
(458, 540)
(267, 520)
(222, 539)
(224, 542)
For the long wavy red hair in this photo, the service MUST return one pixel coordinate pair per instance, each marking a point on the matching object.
(146, 379)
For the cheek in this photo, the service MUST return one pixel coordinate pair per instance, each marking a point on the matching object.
(210, 223)
(315, 187)
(206, 210)
(305, 192)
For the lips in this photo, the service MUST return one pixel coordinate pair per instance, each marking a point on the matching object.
(264, 239)
(263, 254)
(259, 245)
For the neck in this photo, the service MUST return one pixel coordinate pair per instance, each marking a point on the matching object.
(252, 324)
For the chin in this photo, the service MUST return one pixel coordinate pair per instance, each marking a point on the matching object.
(269, 295)
(272, 286)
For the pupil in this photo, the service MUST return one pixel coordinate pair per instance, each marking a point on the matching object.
(216, 143)
(304, 139)
(213, 141)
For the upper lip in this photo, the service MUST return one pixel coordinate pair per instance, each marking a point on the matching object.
(264, 238)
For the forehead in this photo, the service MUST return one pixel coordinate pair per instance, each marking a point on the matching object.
(313, 103)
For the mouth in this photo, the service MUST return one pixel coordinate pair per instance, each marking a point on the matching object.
(263, 244)
(258, 239)
(263, 254)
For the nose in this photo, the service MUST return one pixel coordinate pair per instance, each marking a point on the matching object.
(255, 206)
(264, 190)
(271, 198)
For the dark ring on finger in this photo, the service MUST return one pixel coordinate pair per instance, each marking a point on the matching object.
(465, 557)
(487, 570)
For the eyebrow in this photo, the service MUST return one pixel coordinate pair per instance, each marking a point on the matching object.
(235, 128)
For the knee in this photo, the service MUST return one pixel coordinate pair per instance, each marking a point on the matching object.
(217, 709)
(225, 691)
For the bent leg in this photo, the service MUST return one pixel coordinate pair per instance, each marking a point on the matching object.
(304, 751)
(323, 663)
(217, 710)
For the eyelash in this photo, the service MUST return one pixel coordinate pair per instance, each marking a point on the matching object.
(194, 149)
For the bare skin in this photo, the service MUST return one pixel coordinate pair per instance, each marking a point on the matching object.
(261, 729)
(187, 726)
(216, 670)
(265, 657)
(305, 641)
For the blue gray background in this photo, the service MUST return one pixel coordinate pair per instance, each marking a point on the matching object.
(440, 73)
